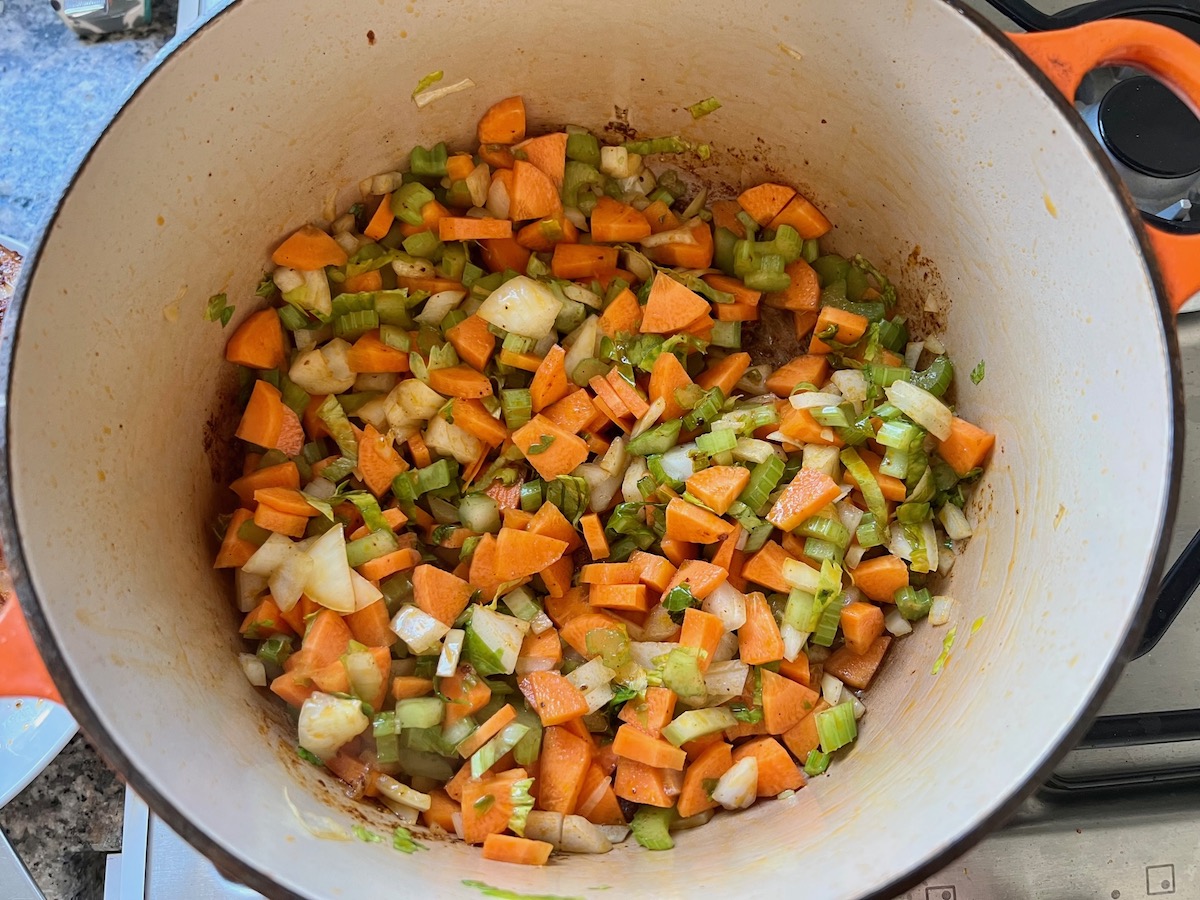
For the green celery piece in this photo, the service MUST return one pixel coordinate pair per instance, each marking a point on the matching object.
(651, 827)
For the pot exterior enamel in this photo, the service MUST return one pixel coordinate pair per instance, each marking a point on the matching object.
(924, 138)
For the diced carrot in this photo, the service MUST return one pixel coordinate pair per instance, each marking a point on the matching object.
(313, 426)
(381, 219)
(802, 215)
(723, 557)
(389, 564)
(609, 573)
(652, 713)
(850, 327)
(619, 596)
(717, 487)
(552, 697)
(880, 578)
(730, 285)
(785, 702)
(498, 156)
(550, 382)
(501, 253)
(271, 519)
(511, 849)
(440, 593)
(309, 248)
(363, 281)
(507, 496)
(482, 569)
(488, 730)
(593, 534)
(803, 293)
(799, 426)
(550, 521)
(735, 312)
(521, 553)
(405, 687)
(702, 578)
(472, 228)
(286, 500)
(725, 373)
(799, 670)
(460, 381)
(640, 783)
(298, 617)
(441, 811)
(564, 761)
(597, 801)
(765, 201)
(715, 761)
(581, 260)
(667, 376)
(807, 494)
(481, 818)
(262, 421)
(472, 341)
(703, 631)
(529, 362)
(694, 254)
(326, 639)
(670, 306)
(615, 222)
(503, 122)
(292, 688)
(559, 451)
(606, 274)
(548, 152)
(418, 450)
(857, 669)
(369, 625)
(471, 416)
(891, 487)
(542, 235)
(633, 743)
(575, 630)
(284, 475)
(465, 692)
(545, 646)
(802, 738)
(967, 447)
(557, 576)
(235, 550)
(562, 610)
(810, 368)
(430, 285)
(533, 195)
(431, 213)
(653, 571)
(758, 639)
(258, 342)
(777, 771)
(459, 166)
(264, 621)
(861, 624)
(678, 552)
(689, 522)
(378, 460)
(608, 396)
(370, 354)
(660, 217)
(516, 518)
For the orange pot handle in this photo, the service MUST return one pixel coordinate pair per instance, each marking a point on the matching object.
(22, 672)
(1066, 56)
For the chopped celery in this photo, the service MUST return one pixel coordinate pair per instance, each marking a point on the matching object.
(419, 712)
(836, 727)
(727, 334)
(681, 673)
(407, 201)
(716, 442)
(831, 530)
(331, 413)
(275, 650)
(584, 148)
(651, 827)
(697, 723)
(913, 603)
(531, 496)
(764, 478)
(517, 405)
(656, 440)
(428, 163)
(871, 532)
(816, 763)
(487, 755)
(423, 245)
(936, 378)
(705, 410)
(831, 268)
(371, 546)
(866, 483)
(570, 493)
(522, 803)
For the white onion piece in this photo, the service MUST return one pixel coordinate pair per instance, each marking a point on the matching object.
(347, 241)
(615, 459)
(922, 407)
(580, 294)
(850, 515)
(598, 697)
(822, 458)
(591, 674)
(478, 183)
(329, 582)
(753, 450)
(793, 641)
(633, 474)
(447, 439)
(738, 787)
(417, 268)
(645, 652)
(728, 604)
(939, 612)
(581, 836)
(497, 203)
(419, 630)
(727, 648)
(801, 576)
(543, 825)
(253, 669)
(287, 279)
(602, 485)
(831, 689)
(337, 355)
(521, 306)
(678, 463)
(432, 95)
(650, 418)
(274, 552)
(955, 522)
(452, 646)
(681, 235)
(586, 337)
(249, 588)
(726, 678)
(935, 346)
(288, 581)
(413, 399)
(895, 623)
(814, 399)
(365, 593)
(437, 306)
(310, 370)
(912, 353)
(327, 722)
(383, 382)
(852, 383)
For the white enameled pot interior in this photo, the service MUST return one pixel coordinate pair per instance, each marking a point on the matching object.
(923, 139)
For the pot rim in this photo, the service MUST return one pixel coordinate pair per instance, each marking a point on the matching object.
(234, 867)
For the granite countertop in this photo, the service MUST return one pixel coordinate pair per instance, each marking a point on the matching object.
(55, 92)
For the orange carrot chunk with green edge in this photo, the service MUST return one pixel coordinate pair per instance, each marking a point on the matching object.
(701, 577)
(308, 249)
(521, 553)
(725, 373)
(286, 500)
(651, 713)
(717, 487)
(378, 460)
(703, 631)
(471, 416)
(264, 621)
(671, 307)
(694, 254)
(660, 217)
(258, 342)
(807, 494)
(615, 222)
(369, 354)
(564, 761)
(576, 629)
(967, 446)
(891, 487)
(635, 744)
(235, 550)
(581, 260)
(542, 235)
(550, 448)
(759, 641)
(785, 702)
(715, 761)
(512, 849)
(439, 593)
(466, 693)
(857, 669)
(802, 215)
(480, 817)
(802, 738)
(765, 201)
(777, 772)
(262, 422)
(503, 123)
(369, 625)
(623, 314)
(488, 730)
(552, 697)
(688, 522)
(861, 624)
(803, 293)
(881, 577)
(282, 475)
(533, 195)
(545, 647)
(550, 382)
(847, 328)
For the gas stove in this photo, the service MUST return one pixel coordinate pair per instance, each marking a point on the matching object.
(1118, 819)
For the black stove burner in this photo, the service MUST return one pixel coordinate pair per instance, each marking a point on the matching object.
(1149, 129)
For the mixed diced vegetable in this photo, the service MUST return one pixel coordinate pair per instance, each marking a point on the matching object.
(538, 552)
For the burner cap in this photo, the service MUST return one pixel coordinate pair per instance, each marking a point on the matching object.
(1150, 129)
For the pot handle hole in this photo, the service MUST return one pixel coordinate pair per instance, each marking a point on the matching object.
(22, 672)
(1066, 56)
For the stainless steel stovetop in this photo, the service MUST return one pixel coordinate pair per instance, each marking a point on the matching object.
(1119, 820)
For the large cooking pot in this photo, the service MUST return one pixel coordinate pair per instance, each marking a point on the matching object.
(937, 146)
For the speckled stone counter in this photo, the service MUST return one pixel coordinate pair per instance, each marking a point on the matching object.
(56, 90)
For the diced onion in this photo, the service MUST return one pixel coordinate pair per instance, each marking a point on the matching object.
(678, 462)
(327, 722)
(725, 679)
(895, 623)
(498, 203)
(922, 407)
(586, 338)
(814, 399)
(591, 674)
(598, 697)
(581, 836)
(419, 630)
(793, 641)
(939, 612)
(728, 604)
(249, 588)
(437, 306)
(934, 346)
(424, 98)
(681, 235)
(955, 522)
(831, 689)
(253, 669)
(521, 306)
(452, 646)
(912, 353)
(478, 183)
(738, 787)
(822, 458)
(852, 383)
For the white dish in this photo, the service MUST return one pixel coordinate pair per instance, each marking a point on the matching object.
(32, 732)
